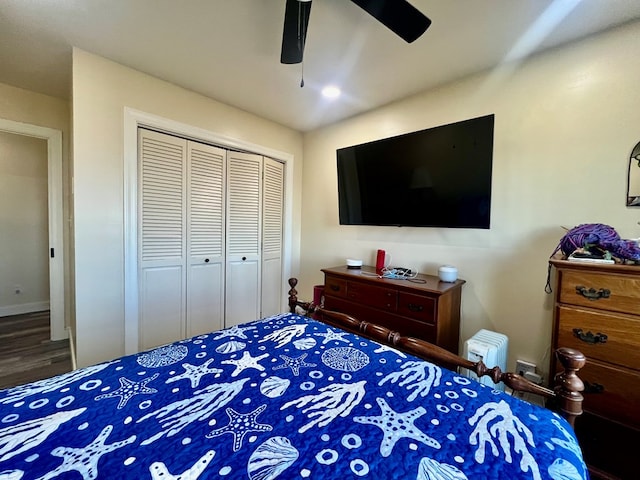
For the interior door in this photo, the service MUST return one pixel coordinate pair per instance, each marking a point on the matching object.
(205, 239)
(244, 197)
(272, 223)
(162, 246)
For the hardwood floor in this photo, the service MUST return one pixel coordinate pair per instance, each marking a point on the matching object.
(26, 351)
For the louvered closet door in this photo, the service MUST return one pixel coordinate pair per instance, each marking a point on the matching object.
(244, 173)
(205, 238)
(161, 233)
(272, 222)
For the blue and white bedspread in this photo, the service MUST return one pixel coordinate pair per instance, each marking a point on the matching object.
(285, 397)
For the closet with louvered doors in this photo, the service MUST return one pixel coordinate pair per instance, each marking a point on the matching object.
(200, 238)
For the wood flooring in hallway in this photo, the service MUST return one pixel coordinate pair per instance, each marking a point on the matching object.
(26, 352)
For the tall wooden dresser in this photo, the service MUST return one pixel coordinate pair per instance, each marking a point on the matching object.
(597, 311)
(425, 308)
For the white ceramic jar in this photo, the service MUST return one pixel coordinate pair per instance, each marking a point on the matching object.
(447, 273)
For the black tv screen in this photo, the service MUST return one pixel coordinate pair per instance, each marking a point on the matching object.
(438, 177)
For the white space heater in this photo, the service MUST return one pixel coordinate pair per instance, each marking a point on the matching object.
(491, 348)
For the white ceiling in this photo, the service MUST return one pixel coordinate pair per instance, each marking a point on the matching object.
(230, 49)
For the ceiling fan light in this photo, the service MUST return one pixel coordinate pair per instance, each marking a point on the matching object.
(331, 91)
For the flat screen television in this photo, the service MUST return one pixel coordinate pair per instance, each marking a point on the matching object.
(438, 177)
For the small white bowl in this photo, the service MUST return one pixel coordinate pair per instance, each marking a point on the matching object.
(447, 273)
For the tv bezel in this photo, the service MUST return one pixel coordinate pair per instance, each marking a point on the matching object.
(343, 214)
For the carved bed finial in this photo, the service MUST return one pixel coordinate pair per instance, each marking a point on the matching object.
(293, 294)
(568, 384)
(308, 307)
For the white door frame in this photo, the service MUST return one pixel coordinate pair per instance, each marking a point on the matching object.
(56, 222)
(136, 118)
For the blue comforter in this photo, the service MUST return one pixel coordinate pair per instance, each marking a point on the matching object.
(284, 397)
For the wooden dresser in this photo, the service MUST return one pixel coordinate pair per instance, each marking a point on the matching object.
(425, 308)
(597, 311)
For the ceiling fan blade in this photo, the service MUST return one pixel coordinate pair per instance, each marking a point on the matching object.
(294, 33)
(399, 16)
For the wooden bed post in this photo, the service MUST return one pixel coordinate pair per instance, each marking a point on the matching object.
(293, 295)
(568, 384)
(308, 307)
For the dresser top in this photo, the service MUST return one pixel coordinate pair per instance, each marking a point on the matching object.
(559, 262)
(430, 283)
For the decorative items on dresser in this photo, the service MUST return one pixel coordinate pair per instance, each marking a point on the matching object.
(633, 183)
(423, 306)
(597, 311)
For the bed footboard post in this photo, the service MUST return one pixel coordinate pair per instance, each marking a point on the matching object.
(568, 384)
(308, 307)
(293, 295)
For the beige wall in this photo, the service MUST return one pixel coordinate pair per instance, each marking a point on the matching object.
(24, 241)
(566, 122)
(101, 91)
(24, 106)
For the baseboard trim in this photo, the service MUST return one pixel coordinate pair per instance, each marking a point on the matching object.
(23, 308)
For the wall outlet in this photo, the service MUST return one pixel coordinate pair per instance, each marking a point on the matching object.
(533, 377)
(17, 289)
(522, 367)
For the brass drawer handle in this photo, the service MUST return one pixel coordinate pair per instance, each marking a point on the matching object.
(415, 308)
(592, 293)
(590, 337)
(593, 387)
(335, 288)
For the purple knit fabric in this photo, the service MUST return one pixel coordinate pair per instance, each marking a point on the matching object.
(600, 235)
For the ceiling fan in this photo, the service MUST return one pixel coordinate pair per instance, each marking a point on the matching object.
(398, 15)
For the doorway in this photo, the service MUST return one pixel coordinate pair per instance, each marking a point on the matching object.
(54, 241)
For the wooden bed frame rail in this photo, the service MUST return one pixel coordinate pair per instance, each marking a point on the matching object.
(565, 397)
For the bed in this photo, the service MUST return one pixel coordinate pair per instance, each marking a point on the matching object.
(285, 397)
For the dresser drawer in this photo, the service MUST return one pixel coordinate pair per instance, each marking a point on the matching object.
(622, 343)
(620, 394)
(335, 286)
(418, 307)
(620, 293)
(374, 296)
